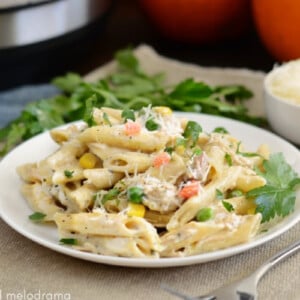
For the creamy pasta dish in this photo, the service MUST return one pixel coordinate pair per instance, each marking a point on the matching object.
(146, 184)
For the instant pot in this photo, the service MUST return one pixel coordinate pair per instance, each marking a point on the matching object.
(41, 38)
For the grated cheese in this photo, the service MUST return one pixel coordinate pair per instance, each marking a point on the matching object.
(285, 82)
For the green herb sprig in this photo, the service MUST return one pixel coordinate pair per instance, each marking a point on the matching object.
(127, 88)
(278, 196)
(70, 241)
(37, 217)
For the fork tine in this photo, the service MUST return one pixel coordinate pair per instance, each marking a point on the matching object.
(180, 295)
(175, 292)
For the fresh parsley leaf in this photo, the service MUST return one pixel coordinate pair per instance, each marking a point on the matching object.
(44, 114)
(192, 131)
(3, 133)
(128, 114)
(197, 151)
(229, 207)
(37, 216)
(14, 135)
(235, 193)
(106, 119)
(221, 130)
(110, 195)
(228, 159)
(151, 125)
(89, 107)
(294, 182)
(67, 83)
(169, 150)
(190, 90)
(234, 93)
(68, 173)
(181, 142)
(245, 154)
(126, 88)
(278, 196)
(127, 60)
(69, 241)
(219, 194)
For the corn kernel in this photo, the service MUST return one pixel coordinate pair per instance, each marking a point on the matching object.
(163, 110)
(180, 149)
(88, 161)
(136, 210)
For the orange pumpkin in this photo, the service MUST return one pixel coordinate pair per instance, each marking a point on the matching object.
(278, 25)
(199, 21)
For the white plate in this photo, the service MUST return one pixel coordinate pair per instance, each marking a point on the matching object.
(15, 211)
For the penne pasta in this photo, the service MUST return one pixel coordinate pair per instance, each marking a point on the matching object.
(115, 137)
(102, 178)
(151, 186)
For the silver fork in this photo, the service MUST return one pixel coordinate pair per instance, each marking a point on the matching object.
(244, 289)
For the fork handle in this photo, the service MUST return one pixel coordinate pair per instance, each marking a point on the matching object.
(276, 259)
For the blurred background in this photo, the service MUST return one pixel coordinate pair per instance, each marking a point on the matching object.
(224, 33)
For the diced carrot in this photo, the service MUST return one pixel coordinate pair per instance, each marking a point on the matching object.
(161, 159)
(190, 189)
(132, 128)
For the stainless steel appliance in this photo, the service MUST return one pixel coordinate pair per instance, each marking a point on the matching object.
(33, 33)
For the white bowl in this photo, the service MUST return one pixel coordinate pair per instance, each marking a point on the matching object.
(282, 110)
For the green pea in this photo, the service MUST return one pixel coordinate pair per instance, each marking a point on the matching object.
(204, 214)
(135, 194)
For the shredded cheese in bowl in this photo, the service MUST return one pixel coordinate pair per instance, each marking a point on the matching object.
(282, 100)
(284, 82)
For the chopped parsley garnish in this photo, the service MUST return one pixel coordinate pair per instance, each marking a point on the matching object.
(228, 206)
(106, 119)
(37, 216)
(219, 194)
(128, 114)
(181, 142)
(278, 196)
(135, 194)
(110, 195)
(235, 193)
(151, 125)
(197, 151)
(90, 103)
(204, 214)
(192, 131)
(68, 173)
(228, 159)
(245, 154)
(69, 241)
(169, 150)
(221, 130)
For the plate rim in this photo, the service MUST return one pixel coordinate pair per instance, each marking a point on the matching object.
(289, 221)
